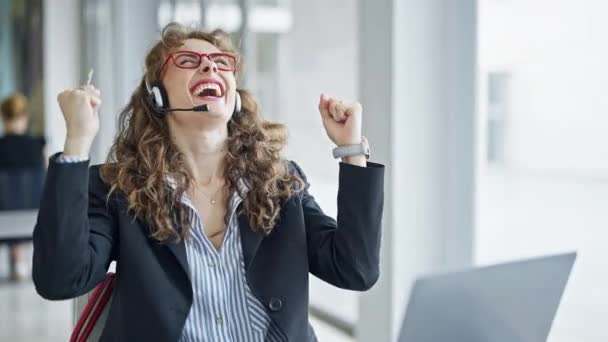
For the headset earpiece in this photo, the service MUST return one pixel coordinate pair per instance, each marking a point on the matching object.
(158, 96)
(237, 104)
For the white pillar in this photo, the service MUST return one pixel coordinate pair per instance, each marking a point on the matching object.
(127, 30)
(61, 63)
(417, 85)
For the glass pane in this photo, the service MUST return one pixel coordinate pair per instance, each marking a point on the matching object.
(186, 12)
(497, 88)
(272, 3)
(498, 100)
(21, 57)
(265, 78)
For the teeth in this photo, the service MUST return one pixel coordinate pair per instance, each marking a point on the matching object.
(199, 89)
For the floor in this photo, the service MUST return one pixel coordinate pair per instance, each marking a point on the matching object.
(26, 317)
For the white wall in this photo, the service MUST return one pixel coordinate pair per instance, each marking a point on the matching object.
(556, 51)
(524, 216)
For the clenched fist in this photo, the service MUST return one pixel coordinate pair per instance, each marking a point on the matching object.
(80, 109)
(341, 119)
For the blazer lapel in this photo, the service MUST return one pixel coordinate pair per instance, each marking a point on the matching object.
(179, 250)
(250, 240)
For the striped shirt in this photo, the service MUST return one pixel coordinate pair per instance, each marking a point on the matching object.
(224, 308)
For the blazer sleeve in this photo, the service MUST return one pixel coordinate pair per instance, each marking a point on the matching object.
(75, 235)
(346, 252)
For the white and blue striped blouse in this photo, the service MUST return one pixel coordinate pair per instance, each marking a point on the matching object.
(224, 308)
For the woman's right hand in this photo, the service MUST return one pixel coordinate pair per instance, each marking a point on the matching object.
(80, 108)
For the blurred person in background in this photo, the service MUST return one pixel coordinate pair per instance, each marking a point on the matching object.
(213, 232)
(22, 163)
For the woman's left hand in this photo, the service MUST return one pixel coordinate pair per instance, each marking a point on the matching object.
(341, 119)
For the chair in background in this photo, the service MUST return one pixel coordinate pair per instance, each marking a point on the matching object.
(20, 189)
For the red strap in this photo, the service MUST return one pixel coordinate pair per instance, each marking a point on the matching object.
(93, 309)
(97, 312)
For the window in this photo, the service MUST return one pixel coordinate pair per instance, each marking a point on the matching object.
(498, 99)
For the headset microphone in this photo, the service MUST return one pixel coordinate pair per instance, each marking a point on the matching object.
(200, 108)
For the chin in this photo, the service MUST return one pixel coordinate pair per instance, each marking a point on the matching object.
(216, 114)
(201, 119)
(212, 118)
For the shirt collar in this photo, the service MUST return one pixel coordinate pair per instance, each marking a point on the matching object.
(242, 185)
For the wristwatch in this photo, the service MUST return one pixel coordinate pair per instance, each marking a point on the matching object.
(353, 150)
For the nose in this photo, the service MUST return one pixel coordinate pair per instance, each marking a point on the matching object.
(207, 66)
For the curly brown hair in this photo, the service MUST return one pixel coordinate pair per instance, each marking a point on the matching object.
(143, 154)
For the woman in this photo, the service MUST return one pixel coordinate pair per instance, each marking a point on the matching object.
(22, 163)
(213, 232)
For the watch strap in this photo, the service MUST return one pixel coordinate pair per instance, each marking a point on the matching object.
(352, 150)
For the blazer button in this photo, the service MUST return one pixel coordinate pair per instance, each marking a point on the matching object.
(275, 304)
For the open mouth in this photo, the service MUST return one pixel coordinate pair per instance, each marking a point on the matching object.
(207, 89)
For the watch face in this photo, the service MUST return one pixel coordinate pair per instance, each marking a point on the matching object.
(366, 148)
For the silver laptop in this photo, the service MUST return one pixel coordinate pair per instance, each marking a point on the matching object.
(512, 302)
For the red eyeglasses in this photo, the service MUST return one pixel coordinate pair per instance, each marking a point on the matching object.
(192, 60)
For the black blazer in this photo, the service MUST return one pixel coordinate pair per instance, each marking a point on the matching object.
(77, 236)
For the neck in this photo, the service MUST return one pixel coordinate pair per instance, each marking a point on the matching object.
(204, 152)
(14, 128)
